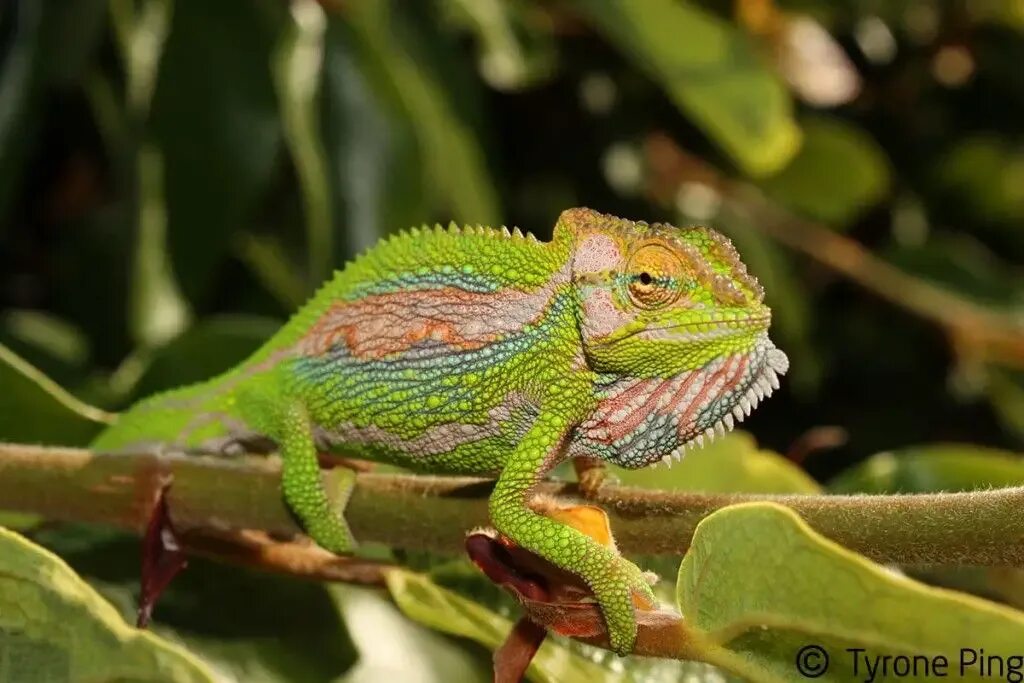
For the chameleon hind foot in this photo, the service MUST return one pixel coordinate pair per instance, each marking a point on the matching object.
(331, 531)
(620, 589)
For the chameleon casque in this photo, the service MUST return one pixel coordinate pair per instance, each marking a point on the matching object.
(479, 351)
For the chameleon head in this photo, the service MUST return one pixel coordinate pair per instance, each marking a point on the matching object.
(675, 329)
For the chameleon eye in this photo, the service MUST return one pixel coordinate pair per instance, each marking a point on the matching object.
(653, 273)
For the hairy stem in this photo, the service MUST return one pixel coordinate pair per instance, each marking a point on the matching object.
(216, 496)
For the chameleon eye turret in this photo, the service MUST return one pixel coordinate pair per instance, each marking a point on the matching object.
(482, 351)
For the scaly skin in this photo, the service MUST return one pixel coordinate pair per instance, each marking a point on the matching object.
(479, 352)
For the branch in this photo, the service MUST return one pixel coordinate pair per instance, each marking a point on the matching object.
(217, 498)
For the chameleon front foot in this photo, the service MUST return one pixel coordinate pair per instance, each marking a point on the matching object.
(618, 589)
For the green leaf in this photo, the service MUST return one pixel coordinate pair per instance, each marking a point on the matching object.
(248, 625)
(938, 467)
(839, 171)
(214, 117)
(54, 627)
(426, 602)
(732, 463)
(710, 71)
(422, 82)
(392, 647)
(758, 584)
(34, 409)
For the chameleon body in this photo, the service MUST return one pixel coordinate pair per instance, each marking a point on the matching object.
(478, 351)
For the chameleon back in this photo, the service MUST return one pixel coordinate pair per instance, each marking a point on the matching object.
(425, 352)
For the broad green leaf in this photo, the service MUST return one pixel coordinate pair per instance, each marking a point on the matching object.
(839, 172)
(207, 349)
(729, 464)
(426, 602)
(409, 65)
(938, 467)
(758, 584)
(35, 409)
(214, 118)
(54, 627)
(247, 625)
(392, 647)
(710, 71)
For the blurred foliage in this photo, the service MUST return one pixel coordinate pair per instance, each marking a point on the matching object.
(176, 176)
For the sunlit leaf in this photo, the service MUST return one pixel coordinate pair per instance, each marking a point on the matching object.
(54, 627)
(393, 647)
(758, 584)
(732, 463)
(711, 72)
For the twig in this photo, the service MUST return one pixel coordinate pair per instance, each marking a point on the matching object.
(210, 497)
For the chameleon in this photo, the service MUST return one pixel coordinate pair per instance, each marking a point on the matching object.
(483, 351)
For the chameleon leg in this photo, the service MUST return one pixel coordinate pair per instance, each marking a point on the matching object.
(612, 578)
(317, 498)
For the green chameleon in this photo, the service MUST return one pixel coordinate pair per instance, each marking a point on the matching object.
(479, 351)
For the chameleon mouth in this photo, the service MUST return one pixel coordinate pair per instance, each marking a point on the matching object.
(711, 329)
(758, 385)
